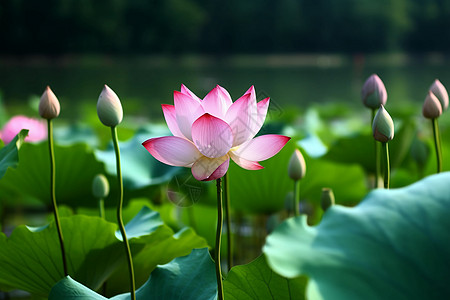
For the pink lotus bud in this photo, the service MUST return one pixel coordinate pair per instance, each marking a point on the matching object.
(438, 89)
(383, 126)
(297, 166)
(109, 108)
(373, 93)
(432, 108)
(49, 105)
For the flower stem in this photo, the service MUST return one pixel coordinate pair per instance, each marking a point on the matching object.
(437, 144)
(228, 221)
(119, 213)
(218, 238)
(387, 171)
(377, 156)
(101, 208)
(297, 198)
(53, 193)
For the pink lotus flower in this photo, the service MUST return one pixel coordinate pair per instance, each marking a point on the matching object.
(208, 132)
(37, 129)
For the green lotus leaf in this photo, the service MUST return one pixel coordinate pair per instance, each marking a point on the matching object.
(9, 157)
(139, 168)
(256, 281)
(157, 244)
(30, 259)
(393, 245)
(264, 191)
(193, 277)
(76, 166)
(188, 277)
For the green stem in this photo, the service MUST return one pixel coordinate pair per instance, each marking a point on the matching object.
(387, 171)
(228, 220)
(437, 144)
(218, 239)
(53, 193)
(101, 207)
(297, 198)
(377, 157)
(119, 213)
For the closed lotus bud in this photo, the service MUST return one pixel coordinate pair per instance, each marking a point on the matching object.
(297, 166)
(49, 105)
(327, 198)
(109, 108)
(438, 89)
(432, 108)
(100, 186)
(383, 126)
(373, 93)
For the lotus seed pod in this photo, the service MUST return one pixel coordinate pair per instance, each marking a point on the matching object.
(383, 126)
(109, 108)
(49, 107)
(373, 93)
(327, 198)
(432, 108)
(100, 186)
(438, 89)
(297, 166)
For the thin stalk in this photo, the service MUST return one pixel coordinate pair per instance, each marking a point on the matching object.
(297, 198)
(226, 194)
(218, 239)
(437, 144)
(387, 168)
(377, 156)
(101, 207)
(53, 193)
(119, 213)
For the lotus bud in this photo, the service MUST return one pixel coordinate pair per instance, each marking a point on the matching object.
(327, 198)
(297, 166)
(100, 186)
(109, 108)
(49, 105)
(373, 93)
(438, 89)
(383, 126)
(432, 108)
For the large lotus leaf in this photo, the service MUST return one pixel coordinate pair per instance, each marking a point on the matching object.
(159, 246)
(139, 168)
(9, 157)
(76, 167)
(261, 191)
(360, 148)
(188, 277)
(393, 245)
(69, 289)
(193, 277)
(74, 134)
(256, 281)
(30, 259)
(264, 191)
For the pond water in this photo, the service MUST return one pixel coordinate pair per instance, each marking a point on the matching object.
(143, 83)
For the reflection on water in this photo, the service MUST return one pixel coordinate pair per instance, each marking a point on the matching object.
(143, 83)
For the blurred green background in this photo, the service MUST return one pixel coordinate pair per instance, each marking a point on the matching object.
(295, 51)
